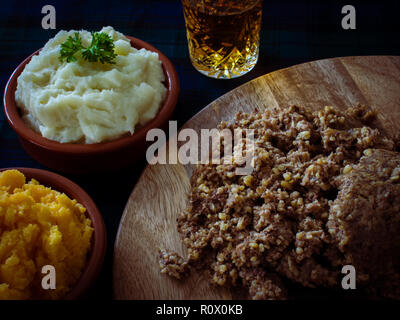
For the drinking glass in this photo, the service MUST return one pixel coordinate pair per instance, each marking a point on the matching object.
(223, 35)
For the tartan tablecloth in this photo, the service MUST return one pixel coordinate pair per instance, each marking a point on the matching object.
(292, 32)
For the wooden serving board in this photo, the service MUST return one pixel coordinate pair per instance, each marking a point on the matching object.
(149, 219)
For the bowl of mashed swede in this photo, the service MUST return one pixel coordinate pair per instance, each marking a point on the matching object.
(49, 223)
(88, 108)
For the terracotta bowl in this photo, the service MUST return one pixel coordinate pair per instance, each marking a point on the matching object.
(85, 158)
(98, 248)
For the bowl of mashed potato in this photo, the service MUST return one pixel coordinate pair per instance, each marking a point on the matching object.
(85, 116)
(52, 237)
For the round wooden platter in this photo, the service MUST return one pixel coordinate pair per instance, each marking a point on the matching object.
(149, 219)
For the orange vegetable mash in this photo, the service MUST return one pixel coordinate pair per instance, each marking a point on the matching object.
(39, 226)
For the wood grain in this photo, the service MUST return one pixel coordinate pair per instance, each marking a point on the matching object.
(149, 219)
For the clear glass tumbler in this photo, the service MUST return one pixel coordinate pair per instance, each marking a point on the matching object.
(223, 35)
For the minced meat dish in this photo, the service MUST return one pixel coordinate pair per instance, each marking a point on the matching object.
(324, 193)
(364, 220)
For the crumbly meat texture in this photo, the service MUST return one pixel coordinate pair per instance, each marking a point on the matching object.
(272, 225)
(364, 220)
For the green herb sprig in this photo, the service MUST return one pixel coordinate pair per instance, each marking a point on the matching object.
(71, 46)
(101, 48)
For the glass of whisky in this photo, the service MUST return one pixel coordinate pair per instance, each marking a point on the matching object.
(223, 35)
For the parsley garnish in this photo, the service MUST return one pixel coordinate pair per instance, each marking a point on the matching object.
(101, 48)
(70, 47)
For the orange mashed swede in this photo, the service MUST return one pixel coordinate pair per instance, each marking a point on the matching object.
(39, 226)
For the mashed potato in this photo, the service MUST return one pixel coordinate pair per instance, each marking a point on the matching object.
(39, 226)
(89, 102)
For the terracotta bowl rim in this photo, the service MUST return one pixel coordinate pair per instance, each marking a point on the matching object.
(164, 113)
(99, 239)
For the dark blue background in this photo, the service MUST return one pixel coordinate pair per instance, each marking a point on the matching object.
(293, 32)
